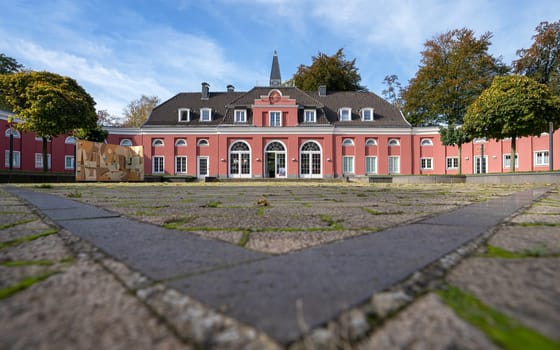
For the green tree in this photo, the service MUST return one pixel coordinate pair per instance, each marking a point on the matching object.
(455, 68)
(138, 111)
(337, 73)
(9, 65)
(542, 62)
(454, 136)
(513, 106)
(48, 104)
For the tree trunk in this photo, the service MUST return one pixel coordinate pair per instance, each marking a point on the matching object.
(45, 155)
(512, 155)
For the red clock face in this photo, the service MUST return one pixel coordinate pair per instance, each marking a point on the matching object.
(274, 97)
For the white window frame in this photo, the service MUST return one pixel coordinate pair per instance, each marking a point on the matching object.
(542, 158)
(158, 168)
(348, 164)
(70, 140)
(203, 143)
(39, 160)
(240, 116)
(12, 131)
(275, 119)
(158, 143)
(393, 142)
(345, 114)
(203, 112)
(394, 164)
(198, 161)
(454, 163)
(507, 161)
(371, 164)
(182, 169)
(426, 142)
(371, 142)
(309, 116)
(427, 163)
(125, 142)
(371, 115)
(69, 162)
(16, 159)
(180, 114)
(347, 142)
(180, 143)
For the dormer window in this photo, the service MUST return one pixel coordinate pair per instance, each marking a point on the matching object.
(240, 116)
(157, 143)
(205, 114)
(184, 115)
(345, 114)
(367, 114)
(309, 116)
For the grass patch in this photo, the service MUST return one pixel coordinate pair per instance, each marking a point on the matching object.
(539, 224)
(19, 263)
(74, 194)
(213, 204)
(500, 328)
(20, 240)
(497, 252)
(361, 195)
(260, 211)
(176, 223)
(333, 224)
(244, 238)
(20, 222)
(44, 186)
(23, 284)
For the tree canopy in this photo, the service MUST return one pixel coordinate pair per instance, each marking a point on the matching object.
(542, 60)
(513, 106)
(455, 68)
(337, 73)
(9, 65)
(48, 104)
(137, 111)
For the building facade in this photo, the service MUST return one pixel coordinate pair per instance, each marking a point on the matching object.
(277, 131)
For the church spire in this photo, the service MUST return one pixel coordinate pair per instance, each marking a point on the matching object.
(275, 79)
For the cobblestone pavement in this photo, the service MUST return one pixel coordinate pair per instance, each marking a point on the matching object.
(57, 291)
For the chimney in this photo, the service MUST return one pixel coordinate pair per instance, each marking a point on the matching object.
(322, 90)
(230, 88)
(205, 91)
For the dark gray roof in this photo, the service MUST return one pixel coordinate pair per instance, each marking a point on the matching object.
(275, 78)
(223, 105)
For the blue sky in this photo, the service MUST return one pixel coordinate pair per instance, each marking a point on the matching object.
(120, 50)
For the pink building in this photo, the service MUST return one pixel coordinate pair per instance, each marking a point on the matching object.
(277, 131)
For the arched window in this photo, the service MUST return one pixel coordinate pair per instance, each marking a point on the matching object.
(310, 159)
(394, 142)
(426, 142)
(371, 142)
(157, 143)
(348, 142)
(180, 143)
(239, 159)
(275, 155)
(70, 140)
(12, 131)
(203, 143)
(125, 142)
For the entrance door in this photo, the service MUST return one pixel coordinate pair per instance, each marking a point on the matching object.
(202, 167)
(275, 154)
(480, 164)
